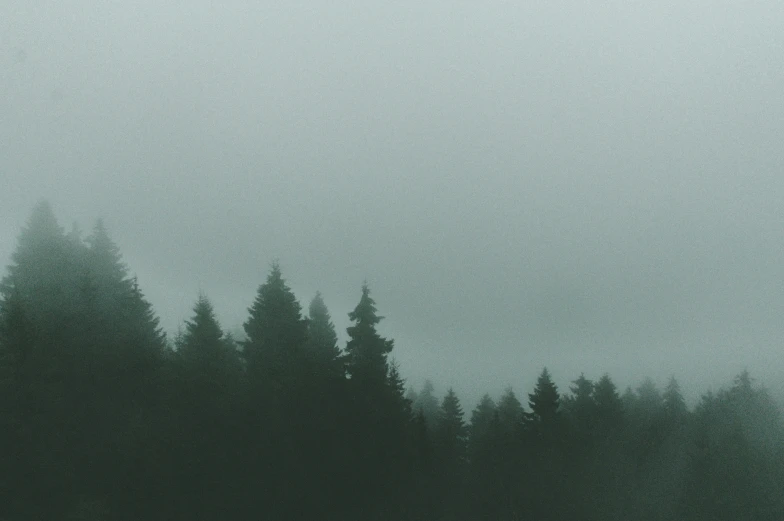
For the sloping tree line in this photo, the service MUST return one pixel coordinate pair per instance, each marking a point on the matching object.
(104, 418)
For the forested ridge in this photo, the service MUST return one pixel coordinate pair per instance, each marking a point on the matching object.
(103, 417)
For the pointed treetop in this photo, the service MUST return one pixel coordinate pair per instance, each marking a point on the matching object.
(674, 404)
(545, 400)
(323, 340)
(43, 221)
(510, 410)
(366, 350)
(365, 312)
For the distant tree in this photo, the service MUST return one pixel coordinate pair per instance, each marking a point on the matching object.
(649, 400)
(366, 350)
(427, 402)
(411, 396)
(481, 425)
(400, 402)
(579, 406)
(544, 402)
(451, 430)
(323, 341)
(277, 334)
(609, 408)
(205, 351)
(673, 402)
(510, 413)
(208, 382)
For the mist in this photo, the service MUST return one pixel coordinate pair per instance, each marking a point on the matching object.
(588, 188)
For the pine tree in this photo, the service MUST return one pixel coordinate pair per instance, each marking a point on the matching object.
(579, 406)
(481, 424)
(511, 413)
(43, 273)
(206, 352)
(609, 408)
(323, 341)
(674, 404)
(397, 388)
(649, 400)
(451, 431)
(427, 402)
(366, 350)
(544, 401)
(277, 334)
(16, 337)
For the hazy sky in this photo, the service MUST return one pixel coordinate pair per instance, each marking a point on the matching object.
(594, 186)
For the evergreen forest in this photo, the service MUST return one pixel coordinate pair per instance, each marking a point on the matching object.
(105, 417)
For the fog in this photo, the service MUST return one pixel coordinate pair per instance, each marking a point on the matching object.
(591, 187)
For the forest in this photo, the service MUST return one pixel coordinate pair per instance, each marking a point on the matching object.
(105, 417)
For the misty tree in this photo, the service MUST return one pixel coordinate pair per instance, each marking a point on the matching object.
(544, 402)
(276, 334)
(579, 405)
(609, 407)
(510, 413)
(427, 402)
(451, 431)
(205, 351)
(366, 350)
(673, 402)
(482, 425)
(207, 388)
(323, 340)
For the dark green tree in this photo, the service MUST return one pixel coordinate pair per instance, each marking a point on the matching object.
(609, 408)
(366, 350)
(205, 351)
(511, 413)
(323, 341)
(674, 404)
(277, 334)
(451, 432)
(544, 402)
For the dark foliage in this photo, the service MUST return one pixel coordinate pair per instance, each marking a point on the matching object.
(102, 419)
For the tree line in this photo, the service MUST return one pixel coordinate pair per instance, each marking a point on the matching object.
(103, 417)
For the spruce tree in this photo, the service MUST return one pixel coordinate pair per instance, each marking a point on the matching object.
(276, 334)
(397, 386)
(205, 351)
(323, 341)
(427, 402)
(481, 424)
(510, 413)
(544, 401)
(366, 350)
(674, 404)
(609, 408)
(451, 431)
(579, 406)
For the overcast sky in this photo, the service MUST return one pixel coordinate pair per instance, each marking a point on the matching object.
(591, 186)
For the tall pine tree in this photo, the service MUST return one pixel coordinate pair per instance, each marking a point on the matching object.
(323, 341)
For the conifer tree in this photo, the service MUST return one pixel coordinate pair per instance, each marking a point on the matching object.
(674, 404)
(544, 401)
(323, 341)
(397, 386)
(609, 408)
(43, 274)
(366, 350)
(427, 402)
(277, 333)
(511, 413)
(206, 352)
(451, 431)
(481, 424)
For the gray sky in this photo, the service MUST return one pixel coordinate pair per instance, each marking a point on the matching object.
(594, 186)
